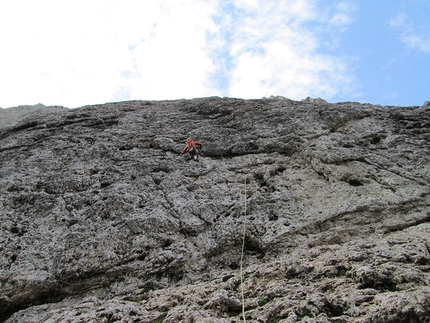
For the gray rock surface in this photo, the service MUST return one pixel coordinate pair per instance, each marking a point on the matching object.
(103, 221)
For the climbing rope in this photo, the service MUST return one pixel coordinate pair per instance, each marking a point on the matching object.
(241, 258)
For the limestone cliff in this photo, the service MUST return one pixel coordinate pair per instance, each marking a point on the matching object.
(103, 221)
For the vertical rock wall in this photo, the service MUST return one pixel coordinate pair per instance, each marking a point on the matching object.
(103, 221)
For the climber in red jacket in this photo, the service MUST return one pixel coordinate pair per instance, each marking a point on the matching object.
(193, 147)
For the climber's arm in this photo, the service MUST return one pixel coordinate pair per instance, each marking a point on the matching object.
(184, 150)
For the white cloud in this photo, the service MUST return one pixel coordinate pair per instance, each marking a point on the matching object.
(246, 4)
(417, 41)
(86, 52)
(413, 35)
(399, 20)
(343, 14)
(174, 61)
(276, 52)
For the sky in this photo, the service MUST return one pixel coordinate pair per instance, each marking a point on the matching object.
(83, 52)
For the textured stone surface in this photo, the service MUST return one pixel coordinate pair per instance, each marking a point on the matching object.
(103, 221)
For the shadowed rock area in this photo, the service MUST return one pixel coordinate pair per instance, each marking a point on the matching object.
(103, 221)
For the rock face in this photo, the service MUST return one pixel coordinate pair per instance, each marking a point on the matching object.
(103, 221)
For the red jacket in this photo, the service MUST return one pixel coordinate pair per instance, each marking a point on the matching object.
(190, 144)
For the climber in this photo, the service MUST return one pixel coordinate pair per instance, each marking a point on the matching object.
(193, 147)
